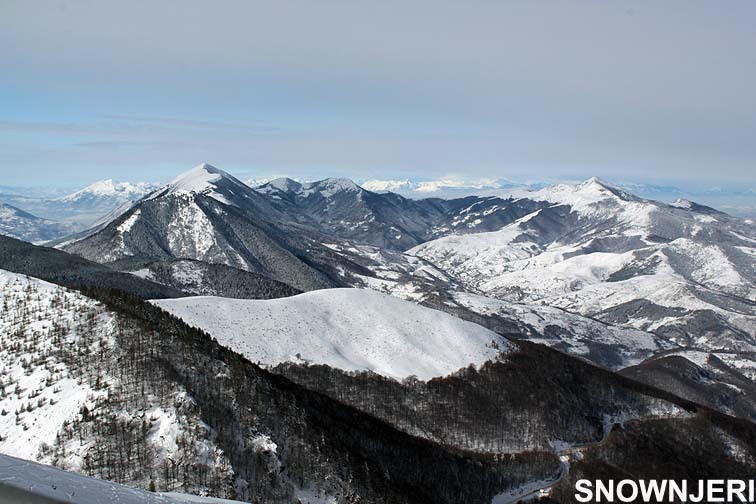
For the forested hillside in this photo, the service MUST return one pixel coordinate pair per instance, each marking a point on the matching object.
(158, 403)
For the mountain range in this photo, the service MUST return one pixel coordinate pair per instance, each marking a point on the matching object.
(567, 328)
(25, 226)
(48, 217)
(735, 199)
(588, 268)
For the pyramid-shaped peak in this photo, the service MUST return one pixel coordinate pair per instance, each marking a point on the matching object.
(204, 168)
(597, 185)
(208, 168)
(597, 182)
(199, 178)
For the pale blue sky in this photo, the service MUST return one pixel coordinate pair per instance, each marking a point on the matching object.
(138, 90)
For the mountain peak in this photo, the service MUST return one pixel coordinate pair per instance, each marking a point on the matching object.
(601, 187)
(597, 183)
(331, 186)
(108, 188)
(284, 184)
(101, 186)
(208, 168)
(198, 179)
(687, 204)
(682, 203)
(345, 182)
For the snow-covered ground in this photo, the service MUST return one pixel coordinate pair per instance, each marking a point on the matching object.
(50, 381)
(39, 393)
(21, 479)
(619, 250)
(572, 333)
(351, 329)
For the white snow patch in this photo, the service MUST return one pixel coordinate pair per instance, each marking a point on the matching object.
(126, 225)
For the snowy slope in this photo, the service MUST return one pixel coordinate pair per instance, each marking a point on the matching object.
(63, 382)
(38, 399)
(688, 272)
(608, 345)
(351, 329)
(21, 479)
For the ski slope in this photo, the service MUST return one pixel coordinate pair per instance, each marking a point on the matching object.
(351, 329)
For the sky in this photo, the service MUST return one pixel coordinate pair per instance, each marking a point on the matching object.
(650, 91)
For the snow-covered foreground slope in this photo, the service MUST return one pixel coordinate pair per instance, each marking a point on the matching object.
(352, 329)
(24, 481)
(37, 399)
(66, 386)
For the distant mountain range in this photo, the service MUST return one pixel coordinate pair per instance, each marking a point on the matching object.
(83, 208)
(25, 226)
(72, 212)
(738, 201)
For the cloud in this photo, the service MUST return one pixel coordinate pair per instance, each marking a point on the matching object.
(405, 88)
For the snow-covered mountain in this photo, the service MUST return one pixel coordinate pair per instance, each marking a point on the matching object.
(588, 268)
(151, 399)
(608, 345)
(721, 380)
(279, 229)
(25, 226)
(350, 329)
(81, 209)
(341, 208)
(107, 194)
(390, 185)
(208, 215)
(687, 273)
